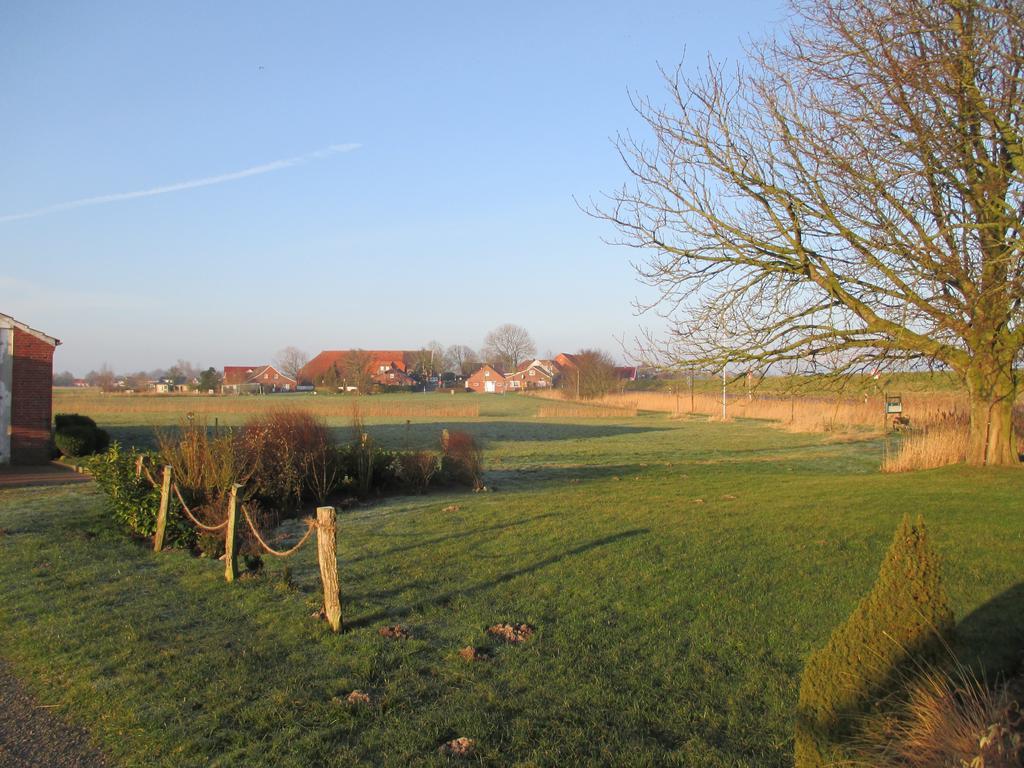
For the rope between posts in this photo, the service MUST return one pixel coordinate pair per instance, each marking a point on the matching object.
(149, 477)
(270, 550)
(188, 513)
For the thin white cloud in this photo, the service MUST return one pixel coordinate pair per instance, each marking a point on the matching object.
(208, 181)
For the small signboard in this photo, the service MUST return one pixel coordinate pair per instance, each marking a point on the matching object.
(893, 404)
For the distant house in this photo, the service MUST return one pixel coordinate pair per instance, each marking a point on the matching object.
(564, 360)
(626, 372)
(81, 383)
(387, 367)
(26, 396)
(487, 379)
(255, 379)
(533, 374)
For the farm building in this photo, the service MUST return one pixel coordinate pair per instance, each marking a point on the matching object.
(487, 379)
(255, 379)
(386, 367)
(533, 374)
(26, 398)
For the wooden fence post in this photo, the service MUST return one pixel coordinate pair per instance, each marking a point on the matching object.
(327, 554)
(161, 516)
(231, 537)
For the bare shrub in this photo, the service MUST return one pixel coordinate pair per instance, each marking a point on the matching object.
(281, 446)
(205, 467)
(417, 468)
(462, 459)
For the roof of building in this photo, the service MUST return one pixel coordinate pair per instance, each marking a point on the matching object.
(6, 321)
(401, 359)
(243, 374)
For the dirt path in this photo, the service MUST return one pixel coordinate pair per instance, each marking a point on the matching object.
(35, 736)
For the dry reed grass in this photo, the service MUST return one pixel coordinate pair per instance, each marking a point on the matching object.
(928, 449)
(584, 412)
(209, 406)
(803, 413)
(946, 719)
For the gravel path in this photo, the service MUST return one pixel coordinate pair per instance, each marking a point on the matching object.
(35, 736)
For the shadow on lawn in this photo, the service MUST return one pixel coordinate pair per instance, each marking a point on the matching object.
(445, 598)
(993, 634)
(442, 539)
(420, 435)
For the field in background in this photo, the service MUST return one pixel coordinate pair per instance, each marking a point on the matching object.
(677, 571)
(808, 413)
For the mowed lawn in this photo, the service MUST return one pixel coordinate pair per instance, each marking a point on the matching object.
(677, 573)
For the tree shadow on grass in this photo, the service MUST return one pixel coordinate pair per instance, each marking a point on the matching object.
(992, 635)
(442, 539)
(445, 598)
(428, 435)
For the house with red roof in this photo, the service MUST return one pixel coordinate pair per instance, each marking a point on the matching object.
(533, 374)
(386, 367)
(255, 379)
(487, 379)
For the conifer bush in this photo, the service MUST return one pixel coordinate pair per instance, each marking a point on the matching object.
(906, 617)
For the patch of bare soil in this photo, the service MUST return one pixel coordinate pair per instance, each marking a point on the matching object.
(460, 747)
(469, 653)
(511, 633)
(397, 632)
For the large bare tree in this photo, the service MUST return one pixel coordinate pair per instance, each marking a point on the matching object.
(508, 345)
(290, 361)
(464, 360)
(853, 192)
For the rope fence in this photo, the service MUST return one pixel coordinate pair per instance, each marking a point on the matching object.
(310, 527)
(325, 527)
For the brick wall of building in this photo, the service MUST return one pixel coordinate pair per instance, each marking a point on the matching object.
(32, 399)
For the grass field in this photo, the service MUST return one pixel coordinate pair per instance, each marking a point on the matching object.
(677, 572)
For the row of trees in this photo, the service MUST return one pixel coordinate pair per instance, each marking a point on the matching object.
(181, 373)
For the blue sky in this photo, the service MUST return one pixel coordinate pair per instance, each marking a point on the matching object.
(325, 176)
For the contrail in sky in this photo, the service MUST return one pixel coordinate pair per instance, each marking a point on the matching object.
(208, 181)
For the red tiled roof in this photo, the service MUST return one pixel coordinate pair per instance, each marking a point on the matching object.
(239, 374)
(403, 360)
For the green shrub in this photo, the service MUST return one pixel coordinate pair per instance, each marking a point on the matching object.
(64, 420)
(75, 441)
(905, 618)
(76, 435)
(133, 501)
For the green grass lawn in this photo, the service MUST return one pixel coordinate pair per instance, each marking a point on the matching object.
(677, 574)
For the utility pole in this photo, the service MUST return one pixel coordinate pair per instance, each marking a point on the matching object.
(723, 393)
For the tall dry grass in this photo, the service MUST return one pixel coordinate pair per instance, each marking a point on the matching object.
(584, 412)
(800, 413)
(209, 406)
(945, 718)
(935, 447)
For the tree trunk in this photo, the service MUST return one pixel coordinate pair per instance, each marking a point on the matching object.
(993, 392)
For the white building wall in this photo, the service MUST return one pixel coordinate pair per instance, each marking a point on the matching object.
(6, 375)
